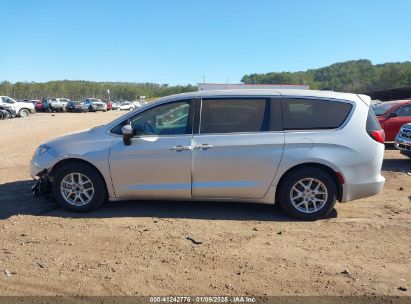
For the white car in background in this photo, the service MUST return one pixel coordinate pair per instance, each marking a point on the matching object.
(125, 105)
(23, 109)
(137, 103)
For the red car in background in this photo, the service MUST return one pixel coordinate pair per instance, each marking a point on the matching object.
(392, 115)
(38, 105)
(109, 104)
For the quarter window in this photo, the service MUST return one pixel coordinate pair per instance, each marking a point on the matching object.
(308, 114)
(234, 115)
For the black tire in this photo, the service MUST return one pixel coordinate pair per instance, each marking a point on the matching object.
(7, 114)
(100, 192)
(2, 115)
(308, 172)
(406, 153)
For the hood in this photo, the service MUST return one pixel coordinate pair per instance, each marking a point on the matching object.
(78, 136)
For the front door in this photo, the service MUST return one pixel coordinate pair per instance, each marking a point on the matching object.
(238, 149)
(158, 162)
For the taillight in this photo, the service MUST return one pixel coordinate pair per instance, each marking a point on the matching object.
(378, 135)
(374, 129)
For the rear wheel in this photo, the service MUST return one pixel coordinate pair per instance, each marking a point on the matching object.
(78, 187)
(24, 113)
(308, 194)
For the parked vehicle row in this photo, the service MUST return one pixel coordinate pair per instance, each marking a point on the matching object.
(392, 115)
(395, 118)
(14, 108)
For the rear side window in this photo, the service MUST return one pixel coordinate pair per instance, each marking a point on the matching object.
(372, 122)
(308, 114)
(234, 115)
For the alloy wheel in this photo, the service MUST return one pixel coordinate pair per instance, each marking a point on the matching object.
(309, 195)
(77, 189)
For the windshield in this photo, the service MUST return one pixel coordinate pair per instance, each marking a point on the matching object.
(381, 109)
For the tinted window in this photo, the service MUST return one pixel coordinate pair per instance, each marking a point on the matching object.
(372, 122)
(404, 111)
(167, 119)
(7, 100)
(234, 115)
(307, 114)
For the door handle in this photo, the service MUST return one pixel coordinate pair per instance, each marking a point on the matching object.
(203, 147)
(180, 148)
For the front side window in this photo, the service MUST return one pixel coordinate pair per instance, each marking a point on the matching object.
(167, 119)
(309, 114)
(7, 100)
(234, 115)
(404, 111)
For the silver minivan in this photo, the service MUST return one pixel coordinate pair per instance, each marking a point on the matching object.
(303, 149)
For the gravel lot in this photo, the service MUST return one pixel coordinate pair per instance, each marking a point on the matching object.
(144, 248)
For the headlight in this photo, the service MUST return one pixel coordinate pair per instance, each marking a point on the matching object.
(40, 151)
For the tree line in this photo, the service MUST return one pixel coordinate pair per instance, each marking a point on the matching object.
(78, 90)
(351, 76)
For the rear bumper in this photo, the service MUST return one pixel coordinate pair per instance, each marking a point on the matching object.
(32, 111)
(357, 191)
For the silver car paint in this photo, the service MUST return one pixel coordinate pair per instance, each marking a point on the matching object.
(144, 169)
(240, 165)
(149, 169)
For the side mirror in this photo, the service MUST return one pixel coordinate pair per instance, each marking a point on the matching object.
(127, 132)
(393, 114)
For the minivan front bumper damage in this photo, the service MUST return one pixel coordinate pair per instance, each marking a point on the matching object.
(42, 185)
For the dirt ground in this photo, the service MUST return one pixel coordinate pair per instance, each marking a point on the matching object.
(143, 248)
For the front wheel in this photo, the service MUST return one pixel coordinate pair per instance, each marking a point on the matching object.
(78, 187)
(308, 194)
(24, 113)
